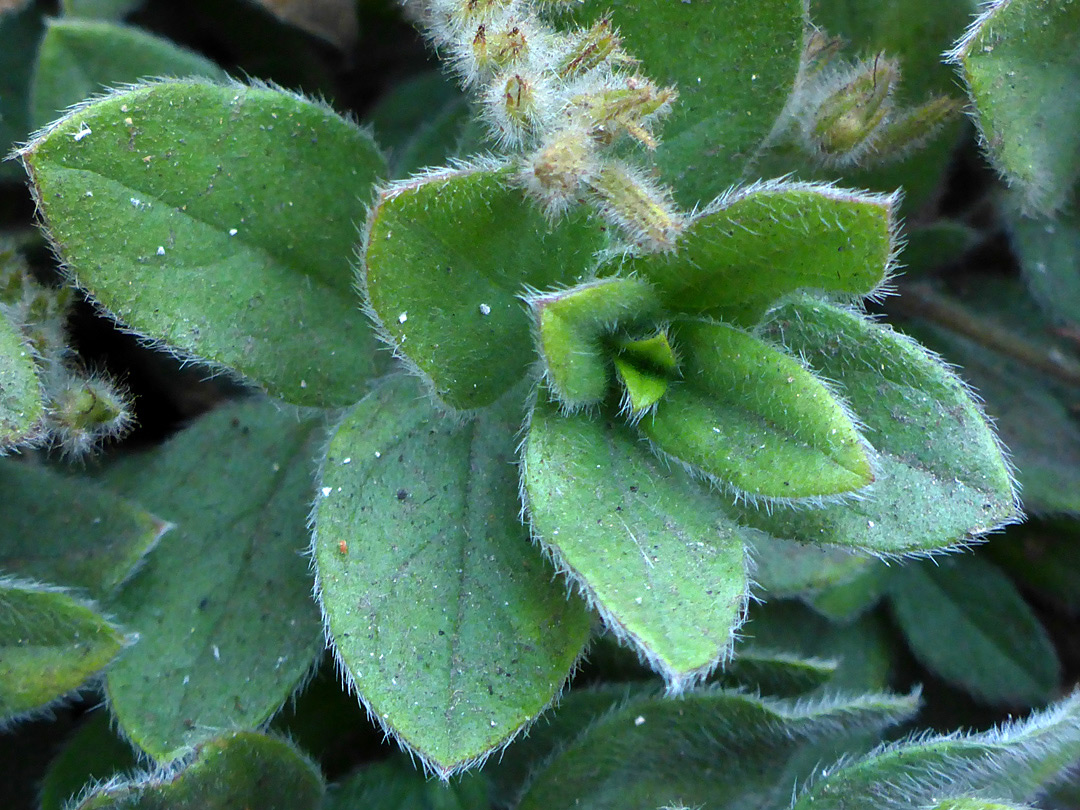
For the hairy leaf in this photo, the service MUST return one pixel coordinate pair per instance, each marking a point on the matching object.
(447, 621)
(223, 605)
(237, 770)
(734, 64)
(756, 419)
(756, 245)
(21, 405)
(68, 531)
(1020, 61)
(707, 749)
(784, 568)
(965, 621)
(652, 552)
(448, 258)
(93, 753)
(78, 58)
(395, 784)
(941, 477)
(1009, 763)
(177, 206)
(50, 644)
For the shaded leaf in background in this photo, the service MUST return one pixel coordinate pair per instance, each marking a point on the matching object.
(965, 621)
(1044, 556)
(1028, 379)
(709, 748)
(447, 620)
(655, 554)
(50, 644)
(176, 207)
(453, 310)
(941, 474)
(734, 64)
(237, 770)
(1049, 253)
(20, 32)
(69, 531)
(93, 753)
(223, 605)
(81, 58)
(21, 406)
(1010, 763)
(420, 122)
(395, 784)
(1020, 62)
(784, 568)
(332, 20)
(99, 9)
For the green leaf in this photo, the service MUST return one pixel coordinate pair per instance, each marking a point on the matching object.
(1020, 61)
(1049, 253)
(447, 260)
(734, 64)
(449, 624)
(237, 770)
(784, 568)
(93, 753)
(420, 122)
(707, 749)
(223, 605)
(650, 550)
(1045, 557)
(50, 644)
(21, 405)
(941, 474)
(1009, 763)
(1026, 376)
(975, 804)
(395, 784)
(571, 326)
(845, 601)
(20, 32)
(78, 58)
(99, 9)
(192, 226)
(753, 246)
(777, 674)
(70, 532)
(966, 622)
(755, 419)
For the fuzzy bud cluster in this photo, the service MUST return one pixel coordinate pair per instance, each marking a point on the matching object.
(561, 100)
(847, 112)
(82, 408)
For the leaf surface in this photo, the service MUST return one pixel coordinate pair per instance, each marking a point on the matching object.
(237, 770)
(756, 245)
(448, 622)
(1020, 62)
(71, 532)
(179, 208)
(223, 605)
(756, 419)
(448, 258)
(50, 644)
(966, 621)
(93, 752)
(942, 477)
(651, 551)
(21, 405)
(395, 784)
(707, 749)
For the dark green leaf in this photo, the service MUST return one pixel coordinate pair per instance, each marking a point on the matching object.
(238, 770)
(965, 621)
(71, 532)
(78, 58)
(1044, 556)
(93, 753)
(1020, 61)
(21, 405)
(756, 419)
(651, 551)
(1009, 763)
(223, 605)
(734, 64)
(785, 568)
(396, 784)
(707, 749)
(447, 621)
(448, 258)
(941, 476)
(178, 206)
(50, 644)
(754, 246)
(1049, 252)
(20, 32)
(99, 9)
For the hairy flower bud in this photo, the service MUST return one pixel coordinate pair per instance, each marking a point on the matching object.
(846, 121)
(641, 209)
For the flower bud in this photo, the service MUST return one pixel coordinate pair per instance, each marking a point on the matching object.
(637, 206)
(846, 121)
(591, 48)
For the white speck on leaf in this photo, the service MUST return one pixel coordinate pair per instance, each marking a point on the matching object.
(217, 653)
(161, 250)
(639, 720)
(404, 316)
(84, 130)
(346, 461)
(485, 309)
(232, 231)
(303, 383)
(326, 491)
(89, 193)
(378, 454)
